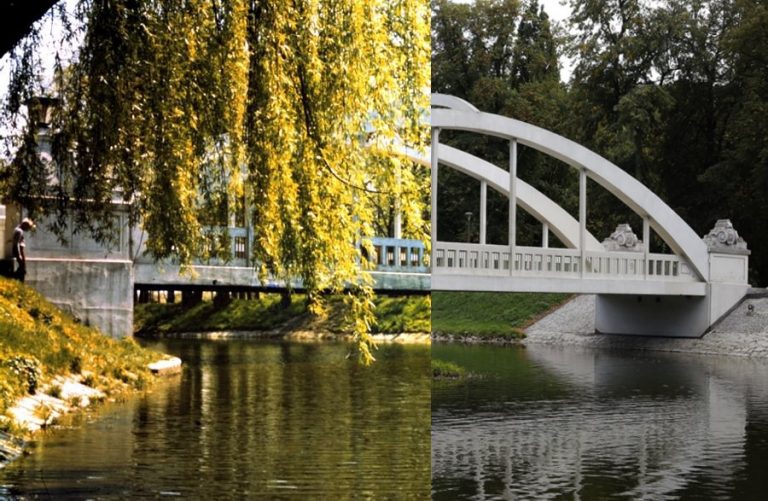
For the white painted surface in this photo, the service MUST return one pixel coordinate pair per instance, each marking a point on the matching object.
(98, 292)
(534, 202)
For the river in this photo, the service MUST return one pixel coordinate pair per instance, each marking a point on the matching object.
(248, 419)
(565, 423)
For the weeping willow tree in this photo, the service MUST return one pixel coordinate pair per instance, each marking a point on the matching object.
(304, 104)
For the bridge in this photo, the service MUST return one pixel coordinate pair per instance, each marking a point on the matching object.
(682, 293)
(99, 284)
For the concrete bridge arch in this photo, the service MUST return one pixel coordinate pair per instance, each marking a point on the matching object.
(638, 292)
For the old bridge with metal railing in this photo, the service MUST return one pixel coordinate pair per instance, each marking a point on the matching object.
(400, 268)
(99, 284)
(639, 292)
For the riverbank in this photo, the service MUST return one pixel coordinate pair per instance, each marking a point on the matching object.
(489, 317)
(743, 332)
(50, 365)
(404, 319)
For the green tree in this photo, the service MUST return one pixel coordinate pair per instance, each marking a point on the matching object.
(510, 68)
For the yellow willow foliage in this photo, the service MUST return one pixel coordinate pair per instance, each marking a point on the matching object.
(337, 77)
(190, 107)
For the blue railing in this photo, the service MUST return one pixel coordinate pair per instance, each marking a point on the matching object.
(399, 255)
(389, 254)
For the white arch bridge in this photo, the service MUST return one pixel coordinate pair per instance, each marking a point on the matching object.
(638, 292)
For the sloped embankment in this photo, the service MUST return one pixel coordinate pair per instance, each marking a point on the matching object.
(51, 364)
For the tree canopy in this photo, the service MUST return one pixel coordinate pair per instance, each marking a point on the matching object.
(290, 108)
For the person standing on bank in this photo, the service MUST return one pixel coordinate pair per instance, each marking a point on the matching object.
(18, 247)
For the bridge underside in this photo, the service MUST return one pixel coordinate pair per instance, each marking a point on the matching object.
(629, 307)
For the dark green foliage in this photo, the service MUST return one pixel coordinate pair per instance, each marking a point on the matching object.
(446, 370)
(509, 68)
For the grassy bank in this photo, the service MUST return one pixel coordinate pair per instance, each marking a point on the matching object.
(39, 342)
(394, 315)
(489, 314)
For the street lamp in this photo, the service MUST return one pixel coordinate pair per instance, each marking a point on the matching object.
(468, 215)
(41, 109)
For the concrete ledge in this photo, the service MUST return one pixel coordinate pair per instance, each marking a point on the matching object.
(505, 283)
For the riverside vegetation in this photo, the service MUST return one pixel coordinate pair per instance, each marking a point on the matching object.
(394, 315)
(38, 342)
(490, 315)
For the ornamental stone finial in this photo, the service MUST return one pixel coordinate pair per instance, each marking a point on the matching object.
(623, 239)
(724, 238)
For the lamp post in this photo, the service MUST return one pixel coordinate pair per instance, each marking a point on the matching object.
(468, 215)
(41, 110)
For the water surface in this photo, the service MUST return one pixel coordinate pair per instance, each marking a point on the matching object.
(565, 423)
(249, 420)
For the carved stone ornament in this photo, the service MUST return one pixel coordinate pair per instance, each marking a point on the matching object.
(623, 239)
(724, 238)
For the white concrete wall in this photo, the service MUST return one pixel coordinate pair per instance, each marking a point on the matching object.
(671, 316)
(44, 244)
(98, 292)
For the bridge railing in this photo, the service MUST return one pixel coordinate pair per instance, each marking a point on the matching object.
(399, 255)
(469, 259)
(389, 254)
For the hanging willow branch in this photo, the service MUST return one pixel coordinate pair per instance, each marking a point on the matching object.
(281, 90)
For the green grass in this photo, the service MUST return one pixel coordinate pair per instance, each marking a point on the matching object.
(403, 314)
(38, 342)
(393, 314)
(447, 370)
(239, 314)
(489, 314)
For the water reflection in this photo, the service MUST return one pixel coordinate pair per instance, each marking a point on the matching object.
(251, 419)
(544, 423)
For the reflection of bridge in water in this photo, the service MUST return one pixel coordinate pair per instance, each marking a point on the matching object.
(639, 292)
(614, 427)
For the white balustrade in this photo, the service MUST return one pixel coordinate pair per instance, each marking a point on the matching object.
(474, 259)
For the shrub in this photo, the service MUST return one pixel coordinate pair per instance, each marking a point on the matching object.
(55, 391)
(446, 370)
(27, 368)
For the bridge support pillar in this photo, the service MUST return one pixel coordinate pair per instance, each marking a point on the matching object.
(679, 316)
(668, 316)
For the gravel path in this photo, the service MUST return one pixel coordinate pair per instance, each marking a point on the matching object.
(740, 333)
